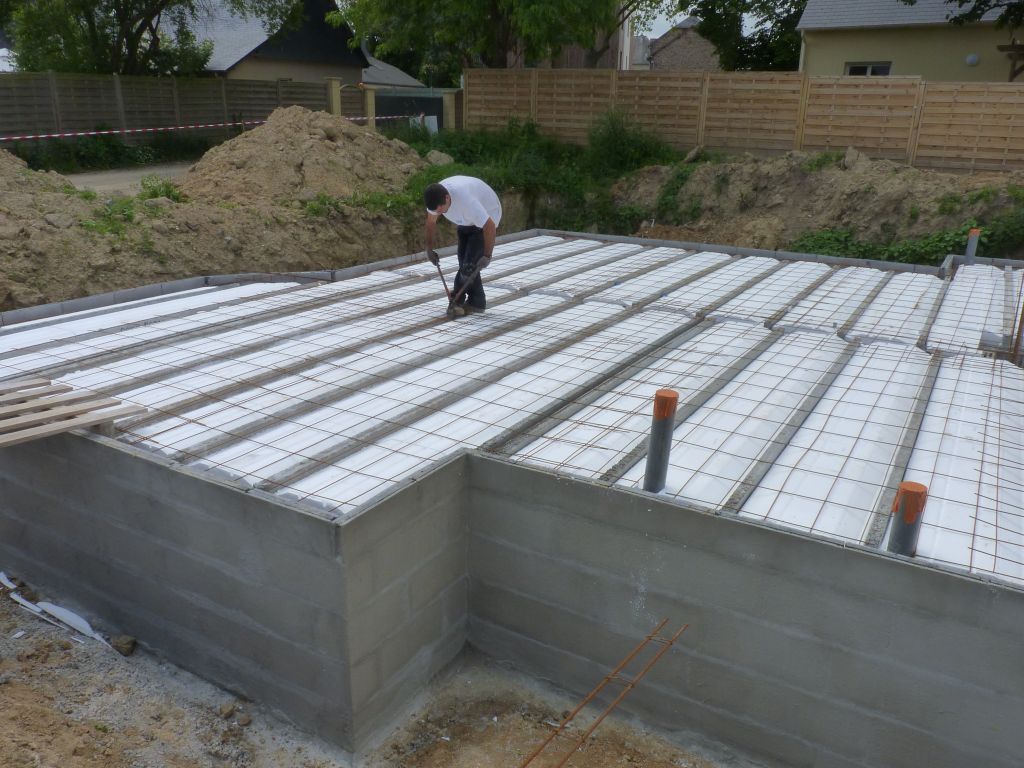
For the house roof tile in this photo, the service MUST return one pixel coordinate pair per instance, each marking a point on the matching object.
(842, 14)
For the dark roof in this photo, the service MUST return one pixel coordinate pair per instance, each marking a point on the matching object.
(843, 14)
(379, 72)
(688, 23)
(315, 40)
(235, 37)
(5, 41)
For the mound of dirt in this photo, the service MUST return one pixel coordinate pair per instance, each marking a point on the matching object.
(298, 154)
(769, 202)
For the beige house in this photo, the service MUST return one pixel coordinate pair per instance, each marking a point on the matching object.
(682, 48)
(887, 37)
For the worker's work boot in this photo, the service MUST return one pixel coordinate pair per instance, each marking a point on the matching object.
(456, 311)
(469, 309)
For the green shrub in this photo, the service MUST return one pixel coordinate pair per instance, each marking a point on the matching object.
(100, 152)
(617, 146)
(666, 207)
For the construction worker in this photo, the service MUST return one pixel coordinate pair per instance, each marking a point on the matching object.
(475, 210)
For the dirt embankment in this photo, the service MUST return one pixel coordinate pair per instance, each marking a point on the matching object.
(770, 202)
(243, 210)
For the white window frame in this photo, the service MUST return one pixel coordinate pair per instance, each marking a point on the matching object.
(870, 65)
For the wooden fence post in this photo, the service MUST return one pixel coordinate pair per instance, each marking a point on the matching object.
(465, 100)
(177, 101)
(119, 100)
(279, 92)
(448, 110)
(370, 108)
(702, 109)
(915, 128)
(801, 115)
(534, 79)
(613, 88)
(54, 100)
(224, 103)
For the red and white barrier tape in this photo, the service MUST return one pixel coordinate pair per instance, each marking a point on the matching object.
(116, 131)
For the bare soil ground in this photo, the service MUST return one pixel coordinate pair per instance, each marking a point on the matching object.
(70, 704)
(769, 202)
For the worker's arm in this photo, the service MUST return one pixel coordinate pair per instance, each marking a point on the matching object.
(428, 234)
(490, 230)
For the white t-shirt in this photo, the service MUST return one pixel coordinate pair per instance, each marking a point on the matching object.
(473, 202)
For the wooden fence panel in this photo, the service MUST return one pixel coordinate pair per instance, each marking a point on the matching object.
(352, 102)
(496, 95)
(87, 102)
(665, 103)
(251, 99)
(752, 110)
(309, 95)
(148, 102)
(972, 126)
(201, 101)
(570, 100)
(874, 114)
(27, 105)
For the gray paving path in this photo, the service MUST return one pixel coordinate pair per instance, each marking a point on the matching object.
(125, 180)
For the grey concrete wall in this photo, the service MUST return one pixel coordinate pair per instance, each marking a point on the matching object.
(334, 624)
(243, 591)
(406, 562)
(805, 652)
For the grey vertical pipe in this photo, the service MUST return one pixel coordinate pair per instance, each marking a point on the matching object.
(972, 246)
(908, 512)
(662, 426)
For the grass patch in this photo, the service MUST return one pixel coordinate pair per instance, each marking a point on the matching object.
(113, 218)
(821, 161)
(154, 186)
(949, 204)
(983, 195)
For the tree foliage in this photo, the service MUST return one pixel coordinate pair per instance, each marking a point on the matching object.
(437, 38)
(128, 37)
(773, 43)
(1011, 12)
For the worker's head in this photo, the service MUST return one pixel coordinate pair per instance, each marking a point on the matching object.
(436, 199)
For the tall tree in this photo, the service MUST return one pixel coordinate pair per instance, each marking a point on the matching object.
(773, 42)
(1011, 12)
(447, 35)
(128, 37)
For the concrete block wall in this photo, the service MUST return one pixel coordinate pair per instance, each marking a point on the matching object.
(805, 652)
(238, 589)
(336, 625)
(406, 594)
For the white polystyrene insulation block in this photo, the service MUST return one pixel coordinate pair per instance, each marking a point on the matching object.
(830, 477)
(833, 303)
(312, 382)
(648, 259)
(401, 395)
(494, 410)
(654, 283)
(772, 294)
(970, 456)
(518, 256)
(901, 311)
(716, 447)
(704, 294)
(973, 305)
(338, 308)
(544, 273)
(598, 435)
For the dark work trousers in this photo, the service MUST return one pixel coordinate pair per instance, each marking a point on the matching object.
(471, 248)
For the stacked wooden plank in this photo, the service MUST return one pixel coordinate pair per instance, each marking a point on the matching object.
(34, 408)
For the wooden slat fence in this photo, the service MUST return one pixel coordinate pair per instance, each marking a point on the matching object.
(38, 103)
(955, 126)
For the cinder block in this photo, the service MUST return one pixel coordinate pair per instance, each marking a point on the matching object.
(375, 620)
(437, 574)
(422, 632)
